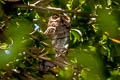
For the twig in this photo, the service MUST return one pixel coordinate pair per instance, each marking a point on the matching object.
(41, 1)
(37, 2)
(52, 9)
(55, 62)
(5, 22)
(12, 0)
(43, 54)
(43, 8)
(46, 44)
(29, 77)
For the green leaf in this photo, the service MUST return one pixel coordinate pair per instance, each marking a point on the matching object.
(1, 1)
(3, 46)
(49, 77)
(92, 48)
(22, 65)
(67, 73)
(109, 2)
(77, 34)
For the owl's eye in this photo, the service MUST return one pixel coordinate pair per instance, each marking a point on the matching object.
(55, 17)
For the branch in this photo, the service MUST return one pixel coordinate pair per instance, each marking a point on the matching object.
(58, 10)
(12, 0)
(43, 8)
(41, 1)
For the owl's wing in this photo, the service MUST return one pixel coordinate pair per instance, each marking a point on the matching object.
(50, 30)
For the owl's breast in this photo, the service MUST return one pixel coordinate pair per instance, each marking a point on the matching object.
(61, 32)
(60, 39)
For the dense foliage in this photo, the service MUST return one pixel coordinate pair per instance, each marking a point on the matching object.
(94, 40)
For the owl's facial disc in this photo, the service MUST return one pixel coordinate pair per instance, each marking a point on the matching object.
(55, 18)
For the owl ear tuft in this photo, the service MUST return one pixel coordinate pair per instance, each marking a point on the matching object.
(67, 18)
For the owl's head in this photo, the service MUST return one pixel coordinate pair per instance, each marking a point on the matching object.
(60, 18)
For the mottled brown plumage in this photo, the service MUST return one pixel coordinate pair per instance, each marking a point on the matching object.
(58, 30)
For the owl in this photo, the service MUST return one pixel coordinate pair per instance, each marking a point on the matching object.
(58, 31)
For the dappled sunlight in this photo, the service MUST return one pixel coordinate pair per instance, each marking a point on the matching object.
(59, 40)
